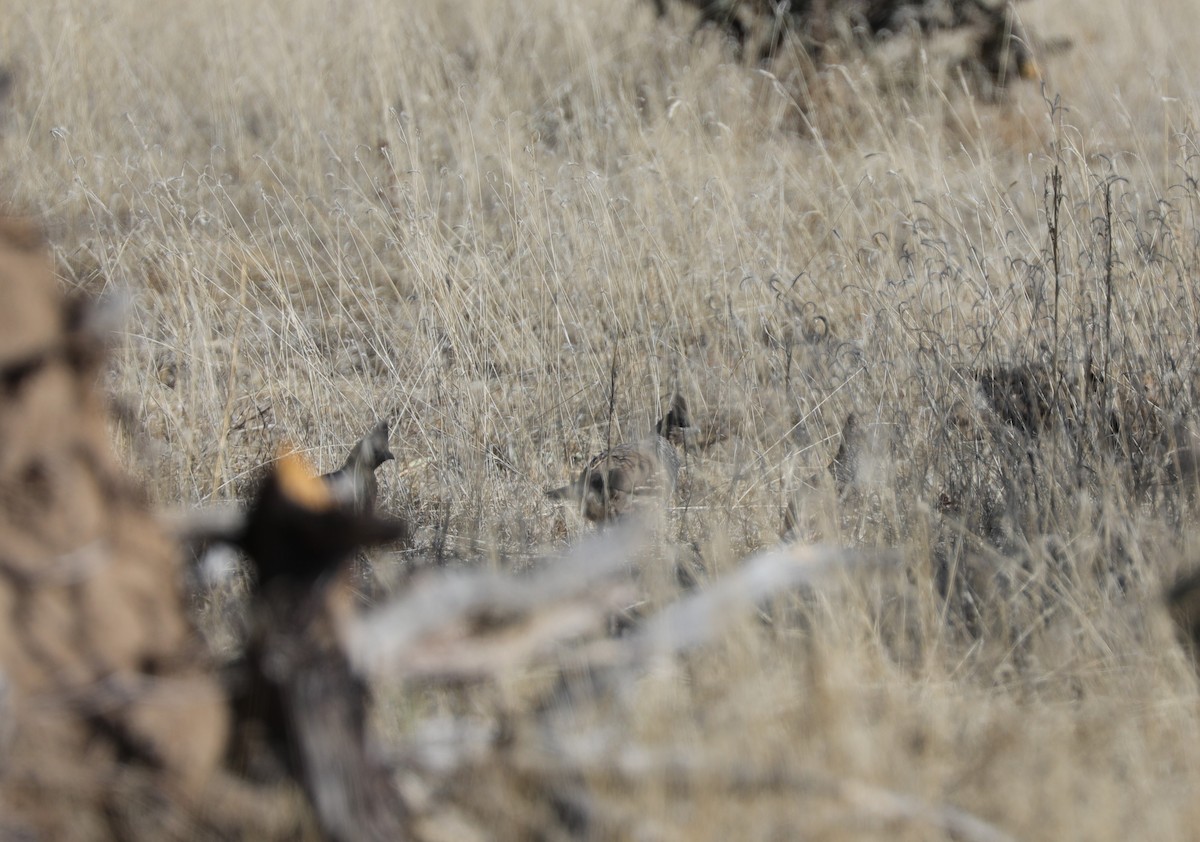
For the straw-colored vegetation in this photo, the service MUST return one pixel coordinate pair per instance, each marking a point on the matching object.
(472, 218)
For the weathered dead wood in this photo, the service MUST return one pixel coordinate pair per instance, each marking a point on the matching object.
(108, 696)
(466, 626)
(593, 756)
(699, 618)
(295, 685)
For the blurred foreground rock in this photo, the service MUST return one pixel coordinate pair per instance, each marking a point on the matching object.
(108, 702)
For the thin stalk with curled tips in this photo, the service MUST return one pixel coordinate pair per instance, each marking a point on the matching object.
(1108, 287)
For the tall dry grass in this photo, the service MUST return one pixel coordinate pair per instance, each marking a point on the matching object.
(465, 217)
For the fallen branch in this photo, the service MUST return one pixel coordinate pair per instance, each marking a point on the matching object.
(697, 619)
(454, 606)
(464, 653)
(442, 747)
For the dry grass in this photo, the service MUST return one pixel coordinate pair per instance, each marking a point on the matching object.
(457, 216)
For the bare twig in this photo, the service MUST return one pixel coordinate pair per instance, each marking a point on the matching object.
(231, 382)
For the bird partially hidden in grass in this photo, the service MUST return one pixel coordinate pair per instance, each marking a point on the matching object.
(300, 529)
(843, 469)
(614, 481)
(351, 489)
(354, 483)
(354, 486)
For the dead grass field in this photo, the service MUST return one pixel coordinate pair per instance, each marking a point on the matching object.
(466, 216)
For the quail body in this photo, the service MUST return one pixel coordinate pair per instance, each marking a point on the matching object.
(613, 481)
(354, 483)
(843, 469)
